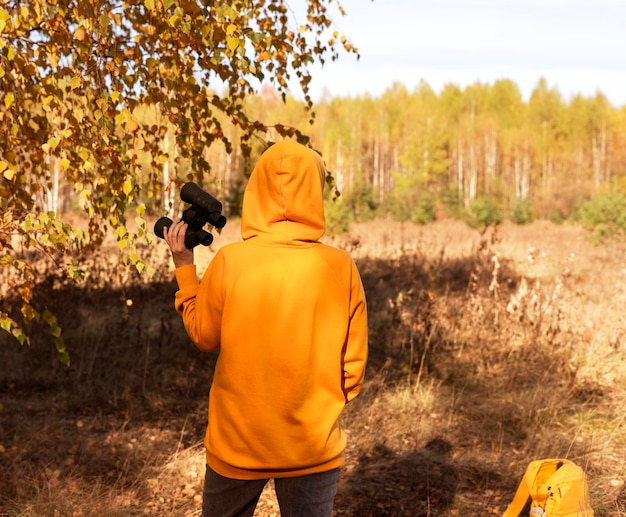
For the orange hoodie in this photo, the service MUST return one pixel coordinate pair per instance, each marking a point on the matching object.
(288, 315)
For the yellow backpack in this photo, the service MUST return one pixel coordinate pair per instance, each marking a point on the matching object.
(557, 488)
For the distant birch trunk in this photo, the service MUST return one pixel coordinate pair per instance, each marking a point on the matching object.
(460, 167)
(50, 199)
(376, 165)
(168, 187)
(526, 161)
(521, 169)
(580, 161)
(598, 154)
(491, 157)
(472, 180)
(472, 160)
(339, 174)
(517, 175)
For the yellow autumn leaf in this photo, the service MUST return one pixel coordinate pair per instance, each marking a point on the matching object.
(62, 164)
(79, 114)
(127, 187)
(105, 21)
(232, 43)
(80, 34)
(9, 174)
(125, 115)
(132, 125)
(9, 98)
(149, 4)
(53, 142)
(76, 82)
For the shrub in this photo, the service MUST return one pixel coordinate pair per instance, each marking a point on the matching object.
(338, 216)
(483, 212)
(604, 215)
(522, 212)
(361, 201)
(397, 206)
(424, 212)
(555, 216)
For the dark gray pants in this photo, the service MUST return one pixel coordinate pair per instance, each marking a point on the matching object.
(305, 496)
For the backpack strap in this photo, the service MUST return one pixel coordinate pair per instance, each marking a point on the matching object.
(523, 490)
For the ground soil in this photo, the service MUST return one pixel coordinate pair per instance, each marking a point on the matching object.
(119, 431)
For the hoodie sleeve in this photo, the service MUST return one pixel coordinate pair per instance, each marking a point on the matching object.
(200, 304)
(187, 280)
(355, 352)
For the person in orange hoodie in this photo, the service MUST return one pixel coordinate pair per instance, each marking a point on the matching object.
(288, 315)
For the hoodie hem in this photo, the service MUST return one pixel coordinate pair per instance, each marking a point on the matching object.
(232, 472)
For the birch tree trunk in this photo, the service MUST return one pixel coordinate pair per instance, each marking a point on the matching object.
(526, 162)
(598, 153)
(491, 157)
(339, 174)
(168, 187)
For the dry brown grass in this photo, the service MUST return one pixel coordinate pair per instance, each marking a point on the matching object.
(488, 350)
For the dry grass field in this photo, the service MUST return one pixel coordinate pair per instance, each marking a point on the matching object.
(488, 349)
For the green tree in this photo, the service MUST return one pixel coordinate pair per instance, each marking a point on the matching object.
(74, 77)
(483, 211)
(604, 215)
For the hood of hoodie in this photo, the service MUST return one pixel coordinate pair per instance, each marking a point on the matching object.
(283, 198)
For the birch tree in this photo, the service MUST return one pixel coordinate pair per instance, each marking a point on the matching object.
(73, 75)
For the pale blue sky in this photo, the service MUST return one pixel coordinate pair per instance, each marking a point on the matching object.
(578, 46)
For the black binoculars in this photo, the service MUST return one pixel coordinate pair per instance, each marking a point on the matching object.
(204, 209)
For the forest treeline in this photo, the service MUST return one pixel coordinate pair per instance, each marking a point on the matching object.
(481, 153)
